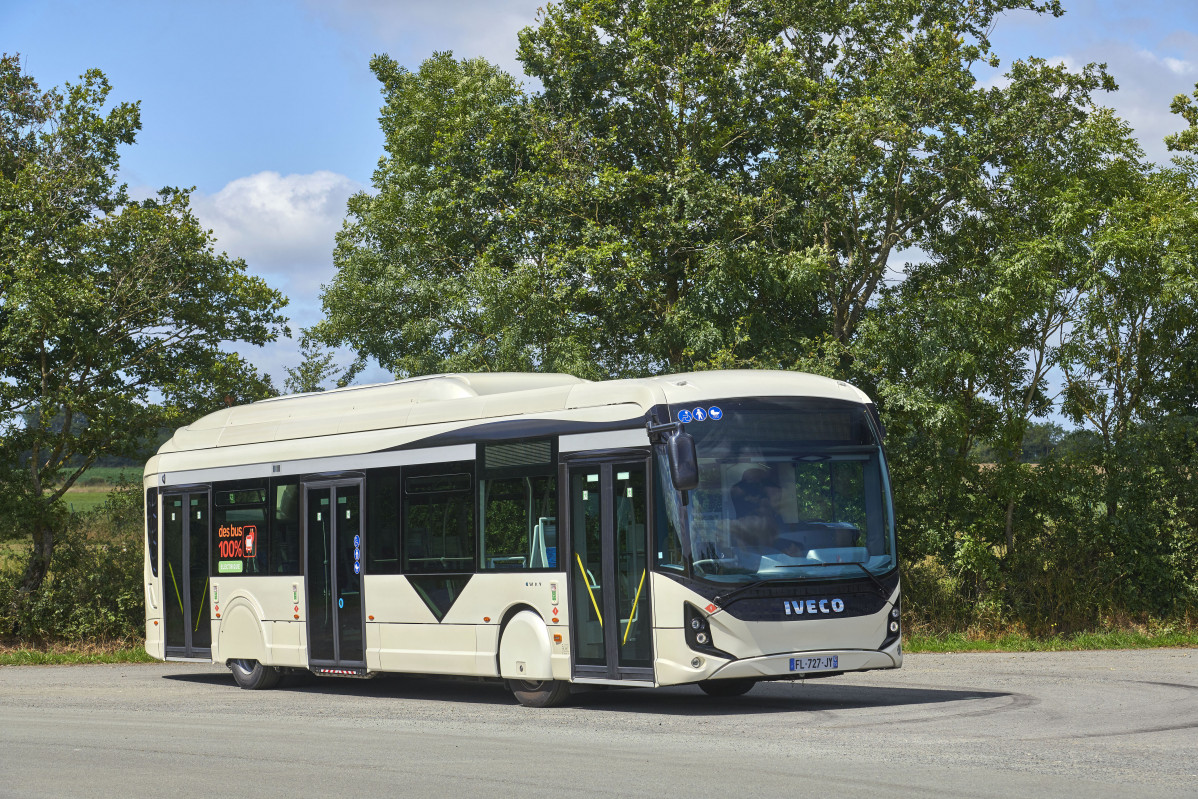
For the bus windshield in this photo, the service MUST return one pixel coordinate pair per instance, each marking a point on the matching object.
(788, 490)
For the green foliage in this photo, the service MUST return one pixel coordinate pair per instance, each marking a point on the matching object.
(695, 185)
(113, 312)
(93, 590)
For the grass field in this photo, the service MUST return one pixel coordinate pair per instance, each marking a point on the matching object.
(86, 499)
(107, 475)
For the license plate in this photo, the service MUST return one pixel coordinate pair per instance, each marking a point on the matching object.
(814, 664)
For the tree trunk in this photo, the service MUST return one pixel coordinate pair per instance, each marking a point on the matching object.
(36, 568)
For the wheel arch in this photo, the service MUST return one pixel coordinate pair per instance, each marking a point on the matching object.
(242, 631)
(530, 645)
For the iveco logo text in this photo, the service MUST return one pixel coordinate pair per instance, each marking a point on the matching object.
(798, 607)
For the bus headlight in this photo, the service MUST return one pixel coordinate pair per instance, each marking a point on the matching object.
(698, 632)
(894, 625)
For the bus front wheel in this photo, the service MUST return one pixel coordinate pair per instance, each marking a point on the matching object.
(727, 687)
(540, 693)
(253, 676)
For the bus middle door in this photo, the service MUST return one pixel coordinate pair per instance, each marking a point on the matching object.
(333, 525)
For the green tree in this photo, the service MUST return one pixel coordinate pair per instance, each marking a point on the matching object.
(694, 184)
(113, 312)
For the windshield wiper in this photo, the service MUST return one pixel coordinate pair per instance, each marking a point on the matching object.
(873, 578)
(722, 599)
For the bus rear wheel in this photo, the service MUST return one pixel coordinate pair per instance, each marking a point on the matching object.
(253, 676)
(540, 693)
(727, 687)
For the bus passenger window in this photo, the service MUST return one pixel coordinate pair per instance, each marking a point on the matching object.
(519, 523)
(239, 535)
(382, 521)
(285, 528)
(438, 528)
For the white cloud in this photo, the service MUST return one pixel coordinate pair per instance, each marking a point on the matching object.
(284, 228)
(1177, 66)
(282, 225)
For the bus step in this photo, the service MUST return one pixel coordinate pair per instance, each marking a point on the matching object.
(329, 671)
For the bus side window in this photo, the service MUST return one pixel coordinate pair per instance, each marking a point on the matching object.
(438, 525)
(285, 528)
(519, 523)
(240, 531)
(382, 521)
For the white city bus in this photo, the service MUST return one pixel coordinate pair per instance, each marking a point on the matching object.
(717, 528)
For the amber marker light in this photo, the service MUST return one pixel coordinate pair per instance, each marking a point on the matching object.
(297, 615)
(370, 617)
(486, 618)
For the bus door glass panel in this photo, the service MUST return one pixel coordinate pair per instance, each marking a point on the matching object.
(610, 573)
(586, 502)
(185, 532)
(632, 566)
(334, 580)
(174, 581)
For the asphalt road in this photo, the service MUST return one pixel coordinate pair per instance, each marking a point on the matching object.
(1088, 724)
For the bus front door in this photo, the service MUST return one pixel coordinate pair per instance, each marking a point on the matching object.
(185, 541)
(333, 514)
(611, 620)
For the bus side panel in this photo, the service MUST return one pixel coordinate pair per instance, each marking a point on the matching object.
(287, 644)
(427, 648)
(258, 620)
(492, 595)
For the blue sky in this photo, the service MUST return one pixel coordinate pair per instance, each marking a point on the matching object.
(269, 108)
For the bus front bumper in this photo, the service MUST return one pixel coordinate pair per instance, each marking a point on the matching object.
(798, 665)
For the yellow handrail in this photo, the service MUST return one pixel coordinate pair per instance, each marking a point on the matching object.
(587, 583)
(632, 615)
(173, 580)
(201, 612)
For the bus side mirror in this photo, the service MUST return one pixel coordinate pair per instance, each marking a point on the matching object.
(684, 461)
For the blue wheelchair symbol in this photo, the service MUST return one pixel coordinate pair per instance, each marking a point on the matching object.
(684, 416)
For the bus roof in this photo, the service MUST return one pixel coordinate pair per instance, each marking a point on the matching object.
(461, 399)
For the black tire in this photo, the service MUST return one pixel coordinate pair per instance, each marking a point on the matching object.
(253, 676)
(541, 693)
(725, 688)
